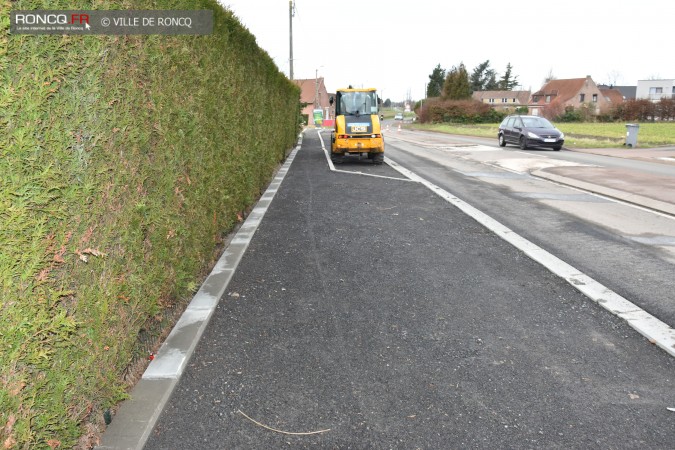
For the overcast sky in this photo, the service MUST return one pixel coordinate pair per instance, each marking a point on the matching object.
(395, 45)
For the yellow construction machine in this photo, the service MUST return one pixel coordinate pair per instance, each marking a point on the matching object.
(357, 125)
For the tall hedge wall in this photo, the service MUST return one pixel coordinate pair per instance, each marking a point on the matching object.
(124, 161)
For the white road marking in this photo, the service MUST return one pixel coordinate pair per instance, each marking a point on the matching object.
(333, 169)
(655, 330)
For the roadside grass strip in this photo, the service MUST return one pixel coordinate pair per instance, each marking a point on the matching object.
(656, 331)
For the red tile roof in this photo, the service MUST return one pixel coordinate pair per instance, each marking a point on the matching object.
(613, 95)
(563, 90)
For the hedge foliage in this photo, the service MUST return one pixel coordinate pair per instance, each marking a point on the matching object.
(124, 160)
(436, 110)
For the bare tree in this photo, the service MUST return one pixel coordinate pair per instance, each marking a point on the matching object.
(550, 76)
(613, 77)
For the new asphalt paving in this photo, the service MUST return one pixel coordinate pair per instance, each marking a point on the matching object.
(367, 312)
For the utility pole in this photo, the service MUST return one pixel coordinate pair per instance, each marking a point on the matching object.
(316, 89)
(291, 12)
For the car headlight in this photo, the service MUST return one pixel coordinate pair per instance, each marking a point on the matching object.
(562, 135)
(532, 135)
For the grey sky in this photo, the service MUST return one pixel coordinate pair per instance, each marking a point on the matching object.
(395, 45)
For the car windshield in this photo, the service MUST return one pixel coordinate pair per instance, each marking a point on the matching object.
(358, 103)
(536, 122)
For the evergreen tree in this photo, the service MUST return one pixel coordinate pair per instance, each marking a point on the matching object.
(436, 80)
(491, 83)
(508, 81)
(457, 85)
(483, 78)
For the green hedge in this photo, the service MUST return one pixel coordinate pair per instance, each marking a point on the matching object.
(436, 110)
(124, 161)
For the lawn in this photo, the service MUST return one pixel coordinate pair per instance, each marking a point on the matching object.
(577, 135)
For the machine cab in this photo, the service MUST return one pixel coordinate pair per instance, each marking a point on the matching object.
(355, 102)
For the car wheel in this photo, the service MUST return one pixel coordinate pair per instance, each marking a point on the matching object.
(502, 142)
(523, 143)
(557, 148)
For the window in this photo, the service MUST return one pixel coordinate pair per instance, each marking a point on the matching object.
(492, 100)
(582, 97)
(535, 99)
(656, 90)
(595, 97)
(505, 100)
(548, 99)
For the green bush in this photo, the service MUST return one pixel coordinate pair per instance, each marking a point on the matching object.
(571, 114)
(435, 110)
(124, 160)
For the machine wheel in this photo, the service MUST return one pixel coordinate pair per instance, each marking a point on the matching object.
(557, 148)
(502, 141)
(523, 143)
(378, 158)
(337, 158)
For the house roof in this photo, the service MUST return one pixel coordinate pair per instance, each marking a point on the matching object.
(308, 88)
(613, 95)
(564, 90)
(521, 96)
(628, 92)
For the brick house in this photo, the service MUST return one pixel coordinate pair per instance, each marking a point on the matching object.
(571, 92)
(314, 95)
(503, 99)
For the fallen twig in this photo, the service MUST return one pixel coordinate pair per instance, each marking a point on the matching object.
(281, 431)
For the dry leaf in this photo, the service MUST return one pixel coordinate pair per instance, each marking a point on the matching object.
(82, 256)
(633, 396)
(10, 423)
(43, 275)
(93, 251)
(10, 442)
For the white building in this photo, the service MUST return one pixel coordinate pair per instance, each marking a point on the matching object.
(655, 90)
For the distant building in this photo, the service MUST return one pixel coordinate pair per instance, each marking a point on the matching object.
(503, 99)
(313, 95)
(655, 90)
(613, 95)
(627, 92)
(570, 92)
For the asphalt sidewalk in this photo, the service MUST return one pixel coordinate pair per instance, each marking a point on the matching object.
(369, 313)
(632, 186)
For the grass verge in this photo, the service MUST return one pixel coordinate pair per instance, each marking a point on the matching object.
(577, 135)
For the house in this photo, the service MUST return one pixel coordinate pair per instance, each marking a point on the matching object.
(613, 95)
(571, 92)
(503, 99)
(313, 95)
(655, 90)
(627, 92)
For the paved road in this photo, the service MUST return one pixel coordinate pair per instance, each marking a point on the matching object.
(369, 310)
(627, 248)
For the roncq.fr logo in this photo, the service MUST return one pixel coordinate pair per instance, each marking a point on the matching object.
(51, 19)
